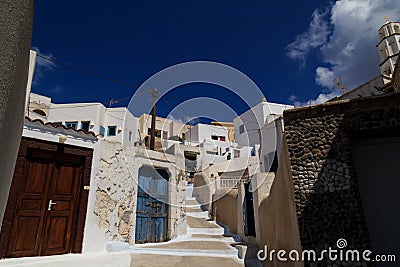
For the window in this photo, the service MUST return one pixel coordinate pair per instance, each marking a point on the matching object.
(222, 138)
(85, 125)
(102, 130)
(73, 124)
(214, 137)
(165, 134)
(56, 123)
(40, 112)
(236, 153)
(241, 129)
(112, 131)
(130, 136)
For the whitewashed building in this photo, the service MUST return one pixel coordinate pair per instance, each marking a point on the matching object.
(114, 124)
(247, 126)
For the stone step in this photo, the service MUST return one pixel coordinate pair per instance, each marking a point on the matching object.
(203, 226)
(198, 214)
(205, 231)
(200, 237)
(188, 248)
(186, 252)
(145, 260)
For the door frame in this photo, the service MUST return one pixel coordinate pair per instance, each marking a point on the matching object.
(28, 144)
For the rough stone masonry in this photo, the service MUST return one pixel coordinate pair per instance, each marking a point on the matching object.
(327, 197)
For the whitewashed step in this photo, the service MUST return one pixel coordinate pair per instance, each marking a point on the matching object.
(186, 252)
(205, 231)
(203, 214)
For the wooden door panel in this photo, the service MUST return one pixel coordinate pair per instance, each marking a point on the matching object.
(26, 239)
(152, 211)
(28, 222)
(65, 182)
(60, 217)
(57, 235)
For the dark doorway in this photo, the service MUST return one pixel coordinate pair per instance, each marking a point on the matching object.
(378, 166)
(248, 216)
(152, 207)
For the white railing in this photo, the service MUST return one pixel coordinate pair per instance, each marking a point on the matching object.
(228, 183)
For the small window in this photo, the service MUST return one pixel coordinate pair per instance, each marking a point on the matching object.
(222, 138)
(102, 130)
(130, 136)
(236, 153)
(241, 129)
(56, 123)
(85, 125)
(40, 112)
(165, 134)
(214, 137)
(112, 131)
(73, 124)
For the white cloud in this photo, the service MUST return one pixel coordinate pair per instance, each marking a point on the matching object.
(172, 118)
(42, 65)
(324, 77)
(315, 36)
(350, 51)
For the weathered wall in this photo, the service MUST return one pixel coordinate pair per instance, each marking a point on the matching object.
(16, 18)
(225, 208)
(113, 194)
(326, 189)
(276, 222)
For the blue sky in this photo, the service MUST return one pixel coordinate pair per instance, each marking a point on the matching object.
(290, 49)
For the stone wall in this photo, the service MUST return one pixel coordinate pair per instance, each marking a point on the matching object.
(319, 139)
(113, 194)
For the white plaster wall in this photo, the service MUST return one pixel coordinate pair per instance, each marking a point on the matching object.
(253, 120)
(31, 71)
(115, 117)
(131, 125)
(93, 112)
(111, 215)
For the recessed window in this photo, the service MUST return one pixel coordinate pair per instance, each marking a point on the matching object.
(85, 125)
(165, 134)
(56, 123)
(241, 129)
(102, 130)
(130, 136)
(222, 138)
(214, 137)
(112, 131)
(40, 112)
(73, 124)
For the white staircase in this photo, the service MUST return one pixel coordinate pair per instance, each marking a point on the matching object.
(204, 238)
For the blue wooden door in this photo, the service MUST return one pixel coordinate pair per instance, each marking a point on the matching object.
(152, 210)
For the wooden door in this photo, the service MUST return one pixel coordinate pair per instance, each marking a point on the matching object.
(46, 205)
(152, 207)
